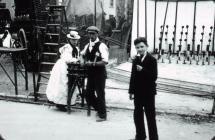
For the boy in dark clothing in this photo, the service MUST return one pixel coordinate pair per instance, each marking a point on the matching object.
(143, 90)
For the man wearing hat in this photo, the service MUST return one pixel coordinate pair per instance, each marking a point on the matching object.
(57, 87)
(95, 55)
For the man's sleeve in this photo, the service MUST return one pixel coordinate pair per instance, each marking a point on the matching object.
(131, 84)
(104, 52)
(83, 52)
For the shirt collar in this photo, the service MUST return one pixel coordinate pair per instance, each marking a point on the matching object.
(144, 55)
(94, 42)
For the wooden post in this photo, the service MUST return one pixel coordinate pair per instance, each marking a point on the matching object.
(155, 17)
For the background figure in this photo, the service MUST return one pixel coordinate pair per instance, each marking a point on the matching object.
(107, 29)
(143, 90)
(57, 88)
(112, 21)
(95, 55)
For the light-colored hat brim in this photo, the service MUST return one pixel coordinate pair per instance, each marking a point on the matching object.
(92, 31)
(76, 37)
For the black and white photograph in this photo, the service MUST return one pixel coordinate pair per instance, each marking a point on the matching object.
(107, 69)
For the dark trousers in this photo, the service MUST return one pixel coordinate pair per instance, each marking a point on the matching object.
(148, 103)
(96, 94)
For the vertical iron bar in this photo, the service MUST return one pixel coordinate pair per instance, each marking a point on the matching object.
(15, 73)
(146, 19)
(176, 18)
(34, 86)
(155, 18)
(138, 18)
(26, 72)
(164, 22)
(213, 34)
(194, 24)
(95, 12)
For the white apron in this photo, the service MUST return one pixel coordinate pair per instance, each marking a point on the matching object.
(57, 87)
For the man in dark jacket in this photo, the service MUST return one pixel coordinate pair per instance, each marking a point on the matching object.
(143, 90)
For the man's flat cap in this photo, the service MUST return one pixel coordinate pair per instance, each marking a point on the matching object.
(93, 29)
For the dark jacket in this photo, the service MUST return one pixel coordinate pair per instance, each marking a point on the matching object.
(144, 82)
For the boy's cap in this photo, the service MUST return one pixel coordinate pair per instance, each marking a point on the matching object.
(93, 29)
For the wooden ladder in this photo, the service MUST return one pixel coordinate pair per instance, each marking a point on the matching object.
(48, 53)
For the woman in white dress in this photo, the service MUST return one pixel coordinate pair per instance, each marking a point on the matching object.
(57, 88)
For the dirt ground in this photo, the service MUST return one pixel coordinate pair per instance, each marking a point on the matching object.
(20, 121)
(117, 92)
(177, 119)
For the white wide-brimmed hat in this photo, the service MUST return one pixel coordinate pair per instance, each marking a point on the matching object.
(73, 35)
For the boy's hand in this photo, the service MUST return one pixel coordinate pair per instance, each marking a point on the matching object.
(139, 68)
